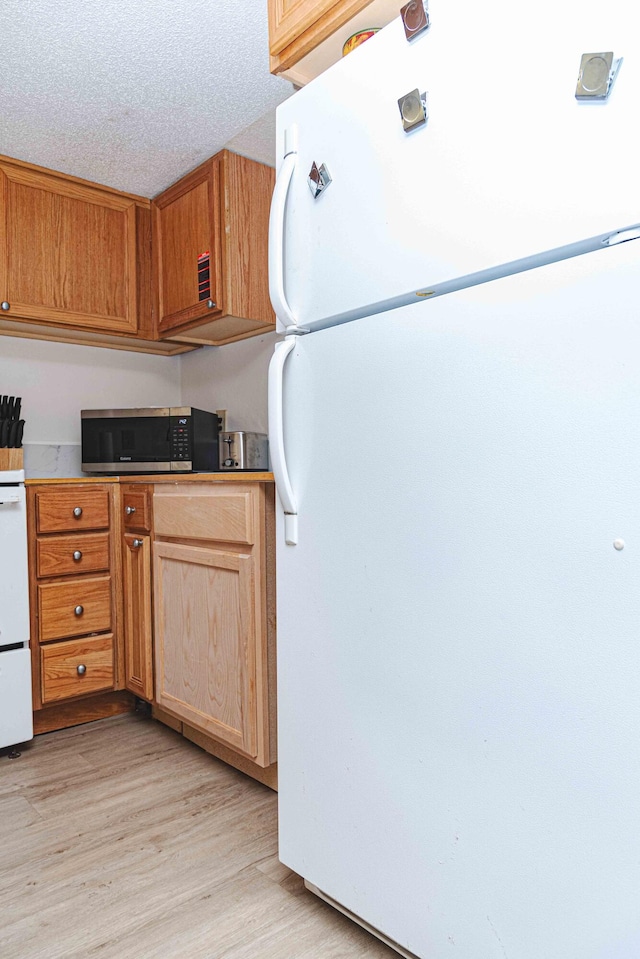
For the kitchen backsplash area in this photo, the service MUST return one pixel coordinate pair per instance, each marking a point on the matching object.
(52, 461)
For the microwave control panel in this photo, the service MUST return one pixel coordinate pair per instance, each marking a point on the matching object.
(180, 438)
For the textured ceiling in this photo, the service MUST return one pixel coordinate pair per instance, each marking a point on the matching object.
(135, 93)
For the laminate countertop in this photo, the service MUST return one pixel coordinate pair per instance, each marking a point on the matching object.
(232, 476)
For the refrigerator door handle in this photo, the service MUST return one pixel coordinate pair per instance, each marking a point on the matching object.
(279, 302)
(276, 439)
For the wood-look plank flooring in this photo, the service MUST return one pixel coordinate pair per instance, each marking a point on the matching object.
(121, 840)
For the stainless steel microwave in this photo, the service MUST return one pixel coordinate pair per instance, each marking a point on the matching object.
(152, 440)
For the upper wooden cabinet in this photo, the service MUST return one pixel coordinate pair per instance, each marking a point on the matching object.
(75, 261)
(209, 241)
(67, 251)
(306, 36)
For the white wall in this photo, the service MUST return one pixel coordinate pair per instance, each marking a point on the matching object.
(232, 377)
(57, 380)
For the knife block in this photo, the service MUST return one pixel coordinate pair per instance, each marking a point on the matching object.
(11, 459)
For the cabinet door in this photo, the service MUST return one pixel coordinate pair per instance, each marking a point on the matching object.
(306, 23)
(138, 642)
(205, 643)
(187, 249)
(67, 251)
(290, 18)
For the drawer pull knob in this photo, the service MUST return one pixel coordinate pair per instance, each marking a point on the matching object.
(77, 511)
(5, 305)
(129, 510)
(81, 669)
(137, 543)
(77, 555)
(79, 610)
(211, 304)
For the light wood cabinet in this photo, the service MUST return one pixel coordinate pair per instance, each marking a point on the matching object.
(138, 590)
(209, 238)
(75, 261)
(74, 582)
(306, 37)
(214, 612)
(206, 646)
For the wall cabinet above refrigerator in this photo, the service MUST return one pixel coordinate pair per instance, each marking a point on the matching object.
(306, 37)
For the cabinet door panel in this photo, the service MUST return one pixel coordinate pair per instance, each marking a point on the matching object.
(289, 18)
(185, 230)
(199, 512)
(136, 509)
(205, 640)
(68, 251)
(138, 644)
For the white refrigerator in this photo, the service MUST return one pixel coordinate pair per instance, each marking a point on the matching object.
(458, 552)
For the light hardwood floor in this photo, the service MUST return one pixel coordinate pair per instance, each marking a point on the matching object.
(121, 840)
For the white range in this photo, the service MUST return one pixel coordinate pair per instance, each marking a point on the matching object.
(16, 718)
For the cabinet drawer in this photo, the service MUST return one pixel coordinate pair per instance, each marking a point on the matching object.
(63, 675)
(74, 608)
(136, 509)
(63, 510)
(64, 555)
(206, 513)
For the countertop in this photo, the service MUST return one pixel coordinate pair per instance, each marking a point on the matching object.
(151, 478)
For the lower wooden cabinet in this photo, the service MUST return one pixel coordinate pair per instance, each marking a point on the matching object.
(74, 582)
(213, 612)
(138, 615)
(164, 590)
(205, 641)
(136, 516)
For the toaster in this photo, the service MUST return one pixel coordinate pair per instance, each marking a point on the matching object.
(243, 451)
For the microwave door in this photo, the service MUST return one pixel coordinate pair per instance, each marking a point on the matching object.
(126, 443)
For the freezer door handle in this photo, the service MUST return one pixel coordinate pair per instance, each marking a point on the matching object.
(277, 214)
(276, 439)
